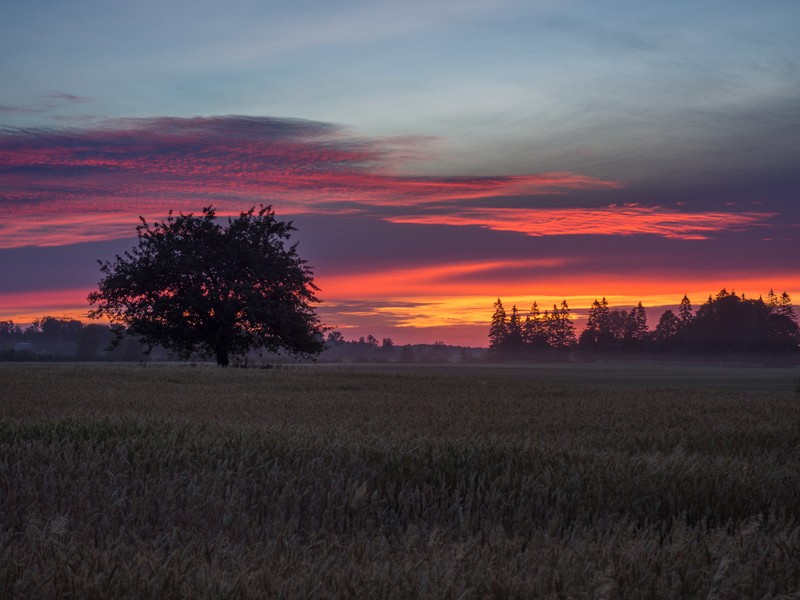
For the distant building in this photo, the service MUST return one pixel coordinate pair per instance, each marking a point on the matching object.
(23, 347)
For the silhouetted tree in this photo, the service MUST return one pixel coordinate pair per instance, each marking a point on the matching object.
(9, 330)
(534, 329)
(636, 333)
(513, 342)
(772, 300)
(727, 323)
(89, 342)
(335, 338)
(407, 354)
(667, 330)
(560, 330)
(498, 330)
(54, 329)
(685, 312)
(195, 286)
(785, 308)
(597, 334)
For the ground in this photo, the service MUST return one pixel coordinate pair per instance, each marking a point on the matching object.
(576, 480)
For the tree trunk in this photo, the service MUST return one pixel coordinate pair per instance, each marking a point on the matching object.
(222, 356)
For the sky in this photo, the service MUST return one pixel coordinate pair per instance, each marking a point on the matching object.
(433, 155)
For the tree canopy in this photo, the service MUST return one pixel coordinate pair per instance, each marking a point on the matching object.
(193, 285)
(726, 323)
(510, 336)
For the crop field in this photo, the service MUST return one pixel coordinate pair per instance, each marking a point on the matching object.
(321, 481)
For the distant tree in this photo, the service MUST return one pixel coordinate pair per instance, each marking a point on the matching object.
(514, 340)
(599, 331)
(636, 332)
(785, 307)
(9, 330)
(560, 329)
(387, 344)
(727, 323)
(89, 342)
(54, 329)
(407, 354)
(666, 331)
(590, 336)
(372, 341)
(335, 338)
(193, 285)
(772, 300)
(34, 329)
(685, 312)
(498, 330)
(534, 329)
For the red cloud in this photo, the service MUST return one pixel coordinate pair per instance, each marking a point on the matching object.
(612, 220)
(81, 184)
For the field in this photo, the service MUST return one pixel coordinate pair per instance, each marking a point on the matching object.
(562, 481)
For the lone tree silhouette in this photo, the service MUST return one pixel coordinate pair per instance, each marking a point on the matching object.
(192, 285)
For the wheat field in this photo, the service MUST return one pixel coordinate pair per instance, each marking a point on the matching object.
(320, 481)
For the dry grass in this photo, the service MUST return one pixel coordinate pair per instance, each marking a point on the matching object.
(573, 481)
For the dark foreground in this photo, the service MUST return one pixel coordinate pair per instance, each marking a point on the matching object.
(614, 481)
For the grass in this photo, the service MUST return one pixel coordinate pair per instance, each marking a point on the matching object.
(562, 481)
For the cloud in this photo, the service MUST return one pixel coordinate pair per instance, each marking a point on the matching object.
(46, 103)
(55, 98)
(611, 220)
(67, 185)
(438, 278)
(86, 183)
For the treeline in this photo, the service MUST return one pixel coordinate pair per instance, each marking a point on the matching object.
(726, 323)
(371, 350)
(61, 339)
(54, 338)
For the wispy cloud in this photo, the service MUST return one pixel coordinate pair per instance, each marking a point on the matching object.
(442, 278)
(45, 103)
(52, 178)
(61, 186)
(611, 220)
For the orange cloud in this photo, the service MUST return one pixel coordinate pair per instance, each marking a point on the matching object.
(448, 278)
(611, 220)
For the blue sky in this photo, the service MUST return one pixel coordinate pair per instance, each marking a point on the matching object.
(687, 107)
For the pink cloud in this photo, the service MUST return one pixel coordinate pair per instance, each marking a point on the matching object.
(85, 184)
(611, 220)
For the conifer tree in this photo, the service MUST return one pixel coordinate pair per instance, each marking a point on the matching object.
(498, 330)
(785, 307)
(535, 335)
(639, 318)
(666, 330)
(514, 341)
(772, 300)
(685, 313)
(562, 331)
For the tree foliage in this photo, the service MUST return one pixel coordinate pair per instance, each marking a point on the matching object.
(726, 323)
(510, 336)
(193, 285)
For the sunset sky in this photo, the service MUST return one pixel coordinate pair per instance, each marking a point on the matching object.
(433, 155)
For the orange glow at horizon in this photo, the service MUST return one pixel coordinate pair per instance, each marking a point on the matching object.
(445, 313)
(24, 307)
